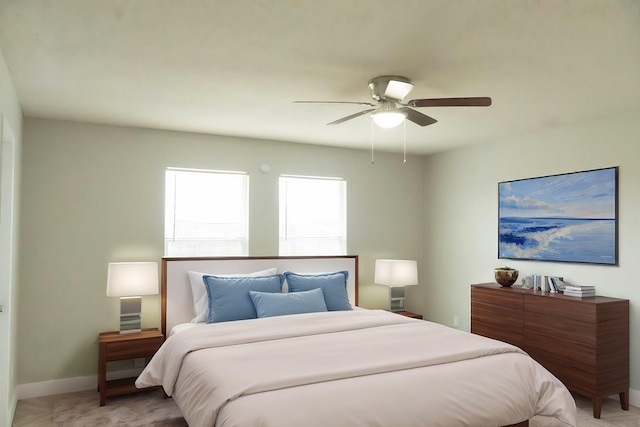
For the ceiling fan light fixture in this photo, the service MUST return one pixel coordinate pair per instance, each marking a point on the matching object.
(388, 119)
(397, 89)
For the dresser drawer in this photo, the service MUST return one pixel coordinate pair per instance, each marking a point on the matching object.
(543, 344)
(501, 323)
(560, 329)
(124, 350)
(576, 376)
(510, 336)
(496, 296)
(565, 307)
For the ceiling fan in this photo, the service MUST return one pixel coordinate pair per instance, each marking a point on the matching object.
(388, 109)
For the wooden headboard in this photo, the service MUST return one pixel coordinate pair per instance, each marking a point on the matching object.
(177, 300)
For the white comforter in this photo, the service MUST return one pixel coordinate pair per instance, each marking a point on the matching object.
(351, 368)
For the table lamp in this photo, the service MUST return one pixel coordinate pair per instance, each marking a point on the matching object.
(130, 280)
(396, 273)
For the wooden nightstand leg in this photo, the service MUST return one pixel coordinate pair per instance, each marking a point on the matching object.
(624, 400)
(597, 406)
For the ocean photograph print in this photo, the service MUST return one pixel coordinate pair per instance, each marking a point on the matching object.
(570, 217)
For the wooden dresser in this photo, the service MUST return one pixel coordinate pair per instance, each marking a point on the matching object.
(582, 341)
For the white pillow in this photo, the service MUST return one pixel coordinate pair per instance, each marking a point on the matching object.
(199, 292)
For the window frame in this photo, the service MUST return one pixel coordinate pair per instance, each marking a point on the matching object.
(211, 246)
(288, 246)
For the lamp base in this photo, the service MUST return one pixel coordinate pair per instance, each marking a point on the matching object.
(396, 298)
(130, 315)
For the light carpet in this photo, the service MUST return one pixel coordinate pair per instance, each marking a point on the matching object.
(136, 410)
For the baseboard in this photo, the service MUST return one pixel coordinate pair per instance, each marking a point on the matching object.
(13, 402)
(69, 385)
(634, 397)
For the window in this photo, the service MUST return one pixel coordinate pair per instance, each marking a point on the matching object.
(206, 213)
(313, 216)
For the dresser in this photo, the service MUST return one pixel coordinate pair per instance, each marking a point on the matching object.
(584, 342)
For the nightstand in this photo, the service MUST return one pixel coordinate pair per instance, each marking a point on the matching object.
(409, 314)
(117, 346)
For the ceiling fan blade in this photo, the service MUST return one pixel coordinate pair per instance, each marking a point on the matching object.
(353, 116)
(335, 102)
(451, 102)
(417, 117)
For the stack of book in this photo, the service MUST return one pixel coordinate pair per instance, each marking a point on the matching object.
(556, 284)
(580, 291)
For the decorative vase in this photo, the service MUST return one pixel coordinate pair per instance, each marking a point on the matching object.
(505, 276)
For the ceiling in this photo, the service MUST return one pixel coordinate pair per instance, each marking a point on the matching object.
(234, 67)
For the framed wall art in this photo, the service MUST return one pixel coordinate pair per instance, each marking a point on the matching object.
(571, 217)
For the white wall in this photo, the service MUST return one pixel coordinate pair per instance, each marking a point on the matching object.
(11, 115)
(94, 194)
(461, 196)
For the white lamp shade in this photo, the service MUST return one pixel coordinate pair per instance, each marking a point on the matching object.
(127, 279)
(396, 272)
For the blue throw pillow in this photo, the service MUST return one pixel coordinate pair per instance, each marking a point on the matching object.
(229, 296)
(270, 304)
(334, 287)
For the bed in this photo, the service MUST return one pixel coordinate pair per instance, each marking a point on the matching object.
(339, 367)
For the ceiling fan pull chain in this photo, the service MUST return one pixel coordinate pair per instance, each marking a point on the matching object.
(371, 141)
(405, 141)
